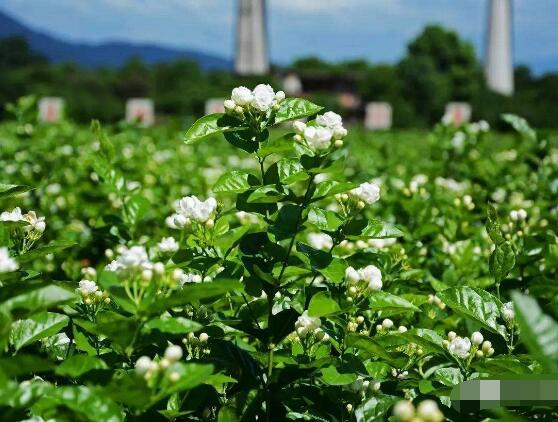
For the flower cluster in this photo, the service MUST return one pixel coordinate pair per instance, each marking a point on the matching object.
(7, 263)
(465, 348)
(388, 325)
(364, 386)
(191, 210)
(34, 224)
(308, 331)
(196, 347)
(154, 371)
(134, 260)
(168, 245)
(318, 136)
(426, 411)
(356, 199)
(91, 295)
(320, 241)
(435, 300)
(354, 323)
(259, 100)
(362, 281)
(518, 215)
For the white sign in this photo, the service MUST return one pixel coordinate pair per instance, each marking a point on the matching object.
(140, 110)
(214, 105)
(378, 116)
(457, 113)
(51, 109)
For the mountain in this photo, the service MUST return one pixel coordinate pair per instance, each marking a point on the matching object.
(108, 54)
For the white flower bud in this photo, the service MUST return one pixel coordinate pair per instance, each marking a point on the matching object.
(490, 352)
(387, 323)
(279, 96)
(143, 364)
(376, 386)
(486, 346)
(229, 104)
(349, 407)
(146, 275)
(360, 319)
(159, 268)
(173, 353)
(174, 377)
(479, 354)
(403, 410)
(477, 338)
(452, 335)
(338, 143)
(203, 337)
(402, 329)
(428, 411)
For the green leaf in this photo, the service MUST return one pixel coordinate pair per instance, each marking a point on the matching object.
(7, 191)
(335, 271)
(538, 331)
(5, 327)
(173, 325)
(211, 124)
(384, 301)
(369, 345)
(331, 376)
(236, 181)
(39, 326)
(324, 219)
(291, 171)
(318, 259)
(39, 299)
(375, 408)
(322, 304)
(23, 364)
(372, 229)
(191, 375)
(477, 304)
(41, 251)
(265, 195)
(195, 292)
(449, 376)
(296, 108)
(502, 261)
(244, 139)
(493, 225)
(330, 188)
(77, 365)
(227, 414)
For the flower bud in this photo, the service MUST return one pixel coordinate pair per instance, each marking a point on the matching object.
(486, 346)
(229, 104)
(490, 352)
(452, 335)
(428, 411)
(376, 386)
(403, 410)
(173, 353)
(344, 197)
(210, 223)
(279, 96)
(338, 143)
(239, 109)
(349, 407)
(146, 275)
(40, 226)
(402, 329)
(106, 300)
(109, 253)
(174, 377)
(159, 268)
(143, 364)
(299, 127)
(379, 328)
(203, 337)
(477, 338)
(360, 205)
(387, 323)
(479, 354)
(360, 319)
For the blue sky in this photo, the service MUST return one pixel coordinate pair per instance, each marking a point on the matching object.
(377, 30)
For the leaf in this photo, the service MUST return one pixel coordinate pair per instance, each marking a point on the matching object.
(236, 181)
(211, 124)
(324, 219)
(7, 191)
(538, 331)
(330, 188)
(23, 364)
(244, 139)
(296, 108)
(372, 229)
(477, 304)
(291, 171)
(41, 251)
(331, 376)
(369, 345)
(322, 305)
(335, 271)
(39, 299)
(191, 375)
(39, 326)
(227, 414)
(318, 259)
(286, 223)
(384, 301)
(265, 195)
(195, 292)
(493, 225)
(449, 376)
(173, 325)
(375, 408)
(77, 365)
(502, 261)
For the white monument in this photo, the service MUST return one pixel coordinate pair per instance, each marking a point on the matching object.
(51, 109)
(457, 113)
(499, 48)
(214, 105)
(140, 110)
(378, 116)
(251, 38)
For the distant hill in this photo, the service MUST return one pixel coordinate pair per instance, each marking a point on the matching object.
(109, 54)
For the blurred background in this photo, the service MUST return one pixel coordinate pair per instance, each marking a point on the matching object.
(416, 55)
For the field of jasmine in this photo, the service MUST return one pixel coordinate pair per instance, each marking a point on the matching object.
(249, 268)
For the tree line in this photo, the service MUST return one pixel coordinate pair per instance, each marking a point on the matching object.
(438, 67)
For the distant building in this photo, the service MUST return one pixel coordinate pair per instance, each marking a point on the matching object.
(251, 38)
(51, 109)
(140, 110)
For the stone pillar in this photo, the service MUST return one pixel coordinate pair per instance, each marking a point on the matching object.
(251, 38)
(499, 48)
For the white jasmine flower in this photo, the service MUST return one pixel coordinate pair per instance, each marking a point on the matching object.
(242, 96)
(173, 353)
(306, 324)
(372, 275)
(35, 223)
(143, 365)
(367, 193)
(477, 338)
(428, 411)
(14, 215)
(382, 243)
(7, 263)
(458, 140)
(186, 278)
(352, 275)
(403, 410)
(229, 104)
(299, 127)
(264, 97)
(176, 221)
(318, 138)
(320, 241)
(130, 259)
(193, 209)
(508, 314)
(87, 287)
(168, 245)
(460, 347)
(330, 120)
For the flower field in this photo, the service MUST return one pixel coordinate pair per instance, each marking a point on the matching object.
(270, 264)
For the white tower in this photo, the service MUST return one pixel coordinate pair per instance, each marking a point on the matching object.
(251, 38)
(499, 46)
